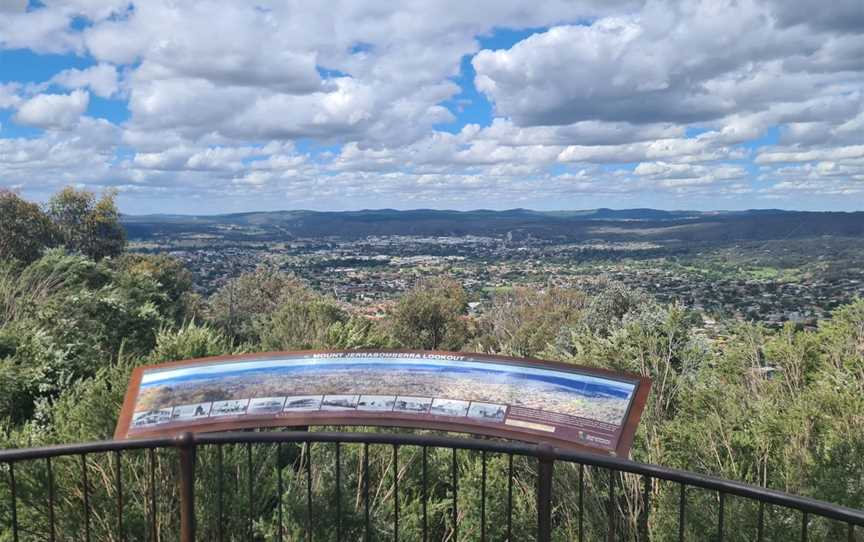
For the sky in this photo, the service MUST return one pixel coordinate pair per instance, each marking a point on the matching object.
(209, 106)
(154, 377)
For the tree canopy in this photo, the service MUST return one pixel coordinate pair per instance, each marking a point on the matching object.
(86, 224)
(25, 231)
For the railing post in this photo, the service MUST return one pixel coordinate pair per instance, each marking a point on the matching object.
(186, 446)
(545, 468)
(646, 509)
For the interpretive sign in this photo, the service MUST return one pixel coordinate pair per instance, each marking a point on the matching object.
(531, 400)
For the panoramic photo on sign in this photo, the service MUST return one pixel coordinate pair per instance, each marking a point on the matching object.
(539, 401)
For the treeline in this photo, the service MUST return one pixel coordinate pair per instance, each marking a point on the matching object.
(783, 409)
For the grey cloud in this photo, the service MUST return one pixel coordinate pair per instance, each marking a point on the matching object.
(13, 6)
(841, 15)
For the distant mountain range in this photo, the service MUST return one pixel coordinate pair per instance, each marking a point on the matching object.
(605, 224)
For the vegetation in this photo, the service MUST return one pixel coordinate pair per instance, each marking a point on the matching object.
(74, 219)
(87, 225)
(780, 408)
(24, 229)
(431, 317)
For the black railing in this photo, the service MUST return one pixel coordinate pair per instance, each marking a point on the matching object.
(87, 481)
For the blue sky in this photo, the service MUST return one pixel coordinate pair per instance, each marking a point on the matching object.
(573, 380)
(566, 105)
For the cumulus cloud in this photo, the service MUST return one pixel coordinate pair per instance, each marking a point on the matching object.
(53, 110)
(82, 154)
(100, 79)
(43, 30)
(673, 62)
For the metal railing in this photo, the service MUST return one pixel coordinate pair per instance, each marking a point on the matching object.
(42, 499)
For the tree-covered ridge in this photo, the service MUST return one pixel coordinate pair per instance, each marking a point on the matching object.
(783, 409)
(611, 225)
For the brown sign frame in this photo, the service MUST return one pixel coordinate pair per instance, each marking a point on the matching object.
(621, 448)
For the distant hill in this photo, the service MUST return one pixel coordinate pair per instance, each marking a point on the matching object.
(601, 224)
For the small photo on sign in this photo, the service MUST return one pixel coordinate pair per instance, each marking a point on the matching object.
(302, 403)
(191, 412)
(487, 411)
(266, 405)
(381, 403)
(151, 417)
(449, 407)
(339, 402)
(229, 408)
(414, 405)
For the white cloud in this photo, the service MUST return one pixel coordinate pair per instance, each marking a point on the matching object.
(82, 154)
(835, 153)
(688, 175)
(672, 62)
(42, 30)
(53, 110)
(101, 79)
(9, 95)
(590, 133)
(700, 149)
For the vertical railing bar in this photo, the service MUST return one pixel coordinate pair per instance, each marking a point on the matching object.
(85, 493)
(52, 531)
(118, 479)
(646, 508)
(367, 534)
(187, 450)
(152, 460)
(220, 482)
(308, 452)
(14, 498)
(280, 489)
(249, 497)
(395, 493)
(851, 532)
(804, 521)
(545, 470)
(612, 525)
(720, 517)
(581, 502)
(455, 479)
(483, 496)
(681, 503)
(611, 507)
(760, 523)
(510, 498)
(338, 491)
(425, 496)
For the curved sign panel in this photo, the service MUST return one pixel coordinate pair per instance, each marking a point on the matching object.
(539, 401)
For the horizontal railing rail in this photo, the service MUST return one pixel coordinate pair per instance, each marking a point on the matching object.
(546, 457)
